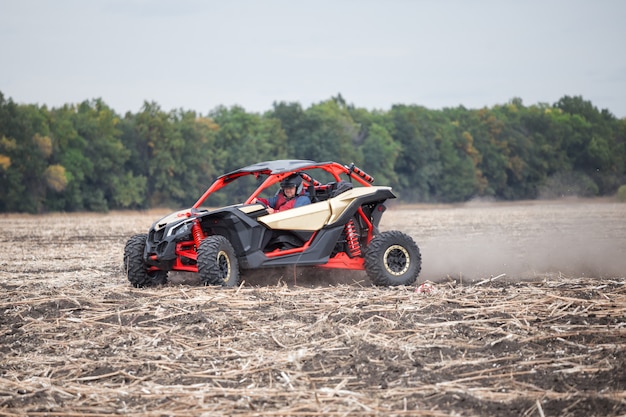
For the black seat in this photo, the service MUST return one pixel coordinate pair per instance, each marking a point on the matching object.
(339, 188)
(324, 192)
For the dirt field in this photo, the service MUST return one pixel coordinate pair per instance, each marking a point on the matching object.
(522, 312)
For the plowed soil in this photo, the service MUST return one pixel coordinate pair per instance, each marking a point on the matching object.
(520, 309)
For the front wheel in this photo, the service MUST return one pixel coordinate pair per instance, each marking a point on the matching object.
(217, 262)
(136, 269)
(393, 258)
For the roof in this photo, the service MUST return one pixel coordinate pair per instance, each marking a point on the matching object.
(274, 167)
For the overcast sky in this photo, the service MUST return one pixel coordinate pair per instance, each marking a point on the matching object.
(199, 54)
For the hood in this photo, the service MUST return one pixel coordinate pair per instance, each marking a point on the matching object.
(175, 217)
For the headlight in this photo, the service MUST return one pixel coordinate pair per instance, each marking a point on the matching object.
(180, 229)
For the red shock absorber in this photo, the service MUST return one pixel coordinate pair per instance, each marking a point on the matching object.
(198, 234)
(352, 238)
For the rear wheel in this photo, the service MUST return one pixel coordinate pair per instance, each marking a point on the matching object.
(136, 270)
(217, 262)
(393, 258)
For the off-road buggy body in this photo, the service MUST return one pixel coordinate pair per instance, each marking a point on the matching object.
(339, 229)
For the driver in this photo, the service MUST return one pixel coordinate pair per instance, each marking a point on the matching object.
(288, 197)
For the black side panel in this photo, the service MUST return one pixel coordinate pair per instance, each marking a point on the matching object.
(318, 253)
(245, 234)
(377, 211)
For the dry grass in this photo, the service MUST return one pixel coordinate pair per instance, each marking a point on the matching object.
(78, 341)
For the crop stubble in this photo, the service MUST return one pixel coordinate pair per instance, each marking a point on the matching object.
(526, 315)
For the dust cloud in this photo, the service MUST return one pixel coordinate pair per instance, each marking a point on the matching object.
(579, 238)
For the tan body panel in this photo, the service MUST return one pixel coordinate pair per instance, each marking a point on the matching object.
(311, 217)
(314, 216)
(342, 201)
(251, 208)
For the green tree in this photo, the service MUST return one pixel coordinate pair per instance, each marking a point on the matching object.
(596, 143)
(457, 181)
(294, 123)
(68, 152)
(491, 148)
(97, 125)
(198, 154)
(380, 153)
(85, 157)
(156, 143)
(245, 138)
(324, 131)
(25, 147)
(418, 166)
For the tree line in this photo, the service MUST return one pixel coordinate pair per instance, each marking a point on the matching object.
(86, 157)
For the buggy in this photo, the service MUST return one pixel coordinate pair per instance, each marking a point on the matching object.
(338, 229)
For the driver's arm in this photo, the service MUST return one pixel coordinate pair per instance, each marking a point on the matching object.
(267, 203)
